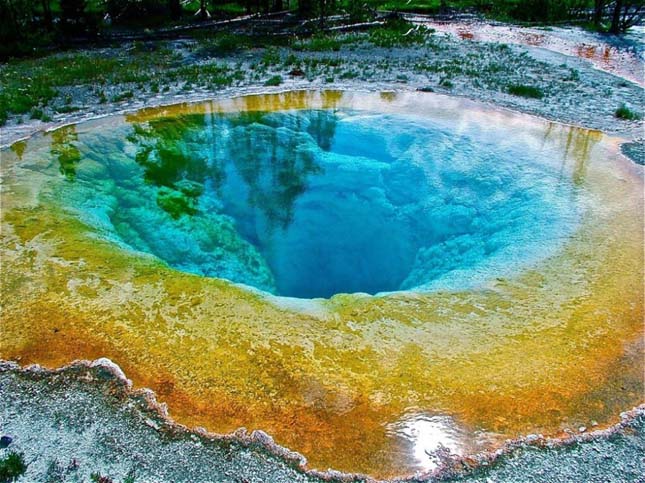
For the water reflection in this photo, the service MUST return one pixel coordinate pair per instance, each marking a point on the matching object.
(226, 181)
(577, 144)
(182, 154)
(64, 149)
(311, 203)
(272, 155)
(19, 148)
(427, 438)
(164, 151)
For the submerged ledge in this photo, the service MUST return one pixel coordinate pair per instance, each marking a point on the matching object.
(108, 392)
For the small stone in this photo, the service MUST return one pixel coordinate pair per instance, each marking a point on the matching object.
(594, 423)
(5, 441)
(582, 429)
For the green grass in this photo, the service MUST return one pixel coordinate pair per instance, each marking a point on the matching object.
(12, 467)
(270, 57)
(624, 112)
(221, 45)
(398, 34)
(276, 80)
(422, 6)
(325, 43)
(34, 83)
(28, 86)
(36, 113)
(522, 90)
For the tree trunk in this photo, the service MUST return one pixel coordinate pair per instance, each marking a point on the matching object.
(304, 8)
(175, 9)
(47, 14)
(599, 7)
(615, 20)
(14, 19)
(322, 4)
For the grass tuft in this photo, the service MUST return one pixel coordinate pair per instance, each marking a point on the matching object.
(522, 90)
(276, 80)
(12, 467)
(399, 33)
(624, 112)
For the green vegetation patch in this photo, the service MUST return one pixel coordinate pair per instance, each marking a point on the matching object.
(32, 84)
(522, 90)
(276, 80)
(325, 42)
(399, 33)
(624, 112)
(11, 467)
(221, 45)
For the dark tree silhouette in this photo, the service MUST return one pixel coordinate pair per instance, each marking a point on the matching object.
(47, 14)
(73, 15)
(626, 13)
(174, 7)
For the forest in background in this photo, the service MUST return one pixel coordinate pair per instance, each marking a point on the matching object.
(32, 26)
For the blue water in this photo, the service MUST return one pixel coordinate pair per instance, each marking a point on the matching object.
(315, 203)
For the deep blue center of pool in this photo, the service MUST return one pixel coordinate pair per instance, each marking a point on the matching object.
(315, 203)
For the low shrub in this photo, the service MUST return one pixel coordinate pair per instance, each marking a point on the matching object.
(11, 467)
(522, 90)
(624, 112)
(276, 80)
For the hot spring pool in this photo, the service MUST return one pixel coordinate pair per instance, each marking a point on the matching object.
(504, 251)
(315, 202)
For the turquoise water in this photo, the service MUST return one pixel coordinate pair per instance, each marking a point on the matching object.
(318, 202)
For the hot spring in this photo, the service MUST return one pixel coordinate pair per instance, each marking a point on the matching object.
(311, 203)
(465, 275)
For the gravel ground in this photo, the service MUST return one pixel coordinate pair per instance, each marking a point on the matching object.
(84, 420)
(80, 421)
(619, 458)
